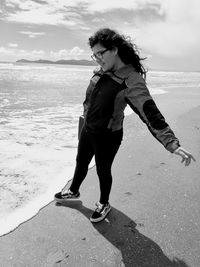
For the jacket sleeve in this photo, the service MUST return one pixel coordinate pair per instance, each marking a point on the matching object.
(89, 91)
(139, 99)
(87, 99)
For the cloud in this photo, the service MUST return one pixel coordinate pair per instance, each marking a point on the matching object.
(7, 54)
(166, 28)
(74, 53)
(40, 17)
(12, 53)
(178, 34)
(4, 51)
(71, 12)
(32, 34)
(25, 4)
(61, 54)
(38, 53)
(40, 2)
(104, 5)
(168, 40)
(48, 12)
(12, 45)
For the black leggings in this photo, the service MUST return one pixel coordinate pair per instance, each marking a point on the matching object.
(104, 148)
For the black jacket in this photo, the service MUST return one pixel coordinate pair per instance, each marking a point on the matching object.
(107, 96)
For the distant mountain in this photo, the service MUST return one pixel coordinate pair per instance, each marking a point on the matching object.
(83, 62)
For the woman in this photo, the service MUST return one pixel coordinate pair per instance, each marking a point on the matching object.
(120, 81)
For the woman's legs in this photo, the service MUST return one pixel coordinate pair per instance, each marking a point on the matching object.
(106, 148)
(84, 156)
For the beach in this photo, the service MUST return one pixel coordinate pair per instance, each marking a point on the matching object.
(39, 109)
(155, 200)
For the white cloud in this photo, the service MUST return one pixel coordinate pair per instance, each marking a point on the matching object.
(38, 52)
(27, 4)
(61, 12)
(51, 13)
(4, 51)
(61, 54)
(12, 45)
(40, 16)
(74, 53)
(14, 54)
(177, 35)
(96, 5)
(32, 34)
(169, 40)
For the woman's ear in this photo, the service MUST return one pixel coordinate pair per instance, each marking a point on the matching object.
(115, 50)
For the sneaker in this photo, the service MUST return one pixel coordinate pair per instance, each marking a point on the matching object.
(69, 195)
(101, 212)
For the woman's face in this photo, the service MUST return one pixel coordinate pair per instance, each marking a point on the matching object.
(104, 57)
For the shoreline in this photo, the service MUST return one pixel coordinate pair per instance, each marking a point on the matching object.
(9, 222)
(150, 70)
(155, 203)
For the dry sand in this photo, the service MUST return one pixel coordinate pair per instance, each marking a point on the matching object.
(155, 205)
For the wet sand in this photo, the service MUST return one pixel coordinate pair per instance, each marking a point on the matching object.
(155, 200)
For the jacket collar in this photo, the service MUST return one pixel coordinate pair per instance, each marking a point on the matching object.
(123, 72)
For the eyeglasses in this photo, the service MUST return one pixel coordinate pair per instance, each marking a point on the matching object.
(99, 55)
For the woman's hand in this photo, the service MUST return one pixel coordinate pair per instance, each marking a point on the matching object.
(186, 156)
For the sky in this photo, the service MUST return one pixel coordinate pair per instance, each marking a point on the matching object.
(165, 31)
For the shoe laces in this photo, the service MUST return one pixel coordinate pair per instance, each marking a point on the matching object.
(99, 206)
(66, 192)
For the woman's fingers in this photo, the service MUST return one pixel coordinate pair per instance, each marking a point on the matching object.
(186, 156)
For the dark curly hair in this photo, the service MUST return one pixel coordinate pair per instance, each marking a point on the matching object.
(127, 50)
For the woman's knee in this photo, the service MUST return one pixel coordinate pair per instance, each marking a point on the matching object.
(104, 173)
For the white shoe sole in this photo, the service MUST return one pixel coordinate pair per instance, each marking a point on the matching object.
(62, 200)
(100, 219)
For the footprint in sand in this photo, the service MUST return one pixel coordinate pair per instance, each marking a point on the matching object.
(55, 258)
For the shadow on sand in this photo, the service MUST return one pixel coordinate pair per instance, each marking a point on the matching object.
(136, 249)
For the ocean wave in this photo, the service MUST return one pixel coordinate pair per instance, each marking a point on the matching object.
(30, 173)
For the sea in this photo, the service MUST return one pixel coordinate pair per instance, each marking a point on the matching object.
(39, 109)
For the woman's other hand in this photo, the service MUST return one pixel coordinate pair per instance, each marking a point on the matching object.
(185, 155)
